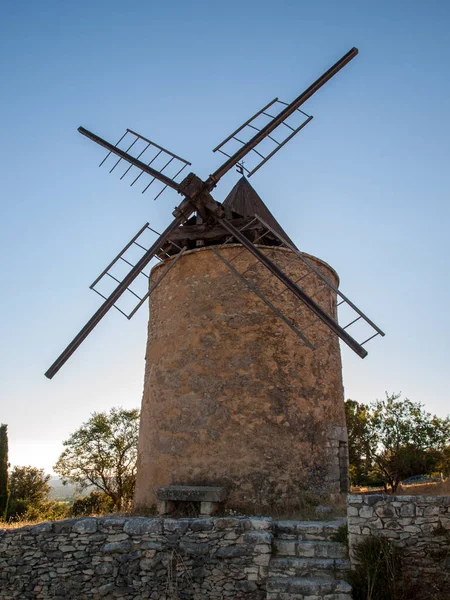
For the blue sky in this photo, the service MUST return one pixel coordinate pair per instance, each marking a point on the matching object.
(364, 186)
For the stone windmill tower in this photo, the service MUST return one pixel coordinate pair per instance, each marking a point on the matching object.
(243, 382)
(232, 396)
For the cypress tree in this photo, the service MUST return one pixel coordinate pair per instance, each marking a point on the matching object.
(4, 488)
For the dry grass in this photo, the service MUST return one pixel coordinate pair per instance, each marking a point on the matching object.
(16, 524)
(302, 508)
(305, 510)
(438, 488)
(434, 488)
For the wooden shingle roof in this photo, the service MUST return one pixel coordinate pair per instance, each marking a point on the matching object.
(244, 200)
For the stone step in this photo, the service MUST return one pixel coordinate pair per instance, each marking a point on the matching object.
(313, 549)
(322, 531)
(281, 588)
(317, 568)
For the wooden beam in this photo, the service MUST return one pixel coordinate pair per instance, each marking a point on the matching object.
(205, 231)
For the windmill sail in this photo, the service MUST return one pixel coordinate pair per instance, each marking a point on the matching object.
(141, 158)
(272, 142)
(280, 118)
(138, 291)
(132, 148)
(308, 309)
(111, 300)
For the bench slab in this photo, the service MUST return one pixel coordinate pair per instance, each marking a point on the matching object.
(191, 493)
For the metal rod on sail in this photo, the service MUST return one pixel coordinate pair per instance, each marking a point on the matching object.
(284, 114)
(134, 161)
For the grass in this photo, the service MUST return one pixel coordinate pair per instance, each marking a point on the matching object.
(16, 524)
(378, 574)
(433, 488)
(301, 508)
(441, 488)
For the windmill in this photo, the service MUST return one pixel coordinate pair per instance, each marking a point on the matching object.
(199, 218)
(243, 378)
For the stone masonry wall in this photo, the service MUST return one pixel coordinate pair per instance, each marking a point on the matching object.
(137, 558)
(419, 525)
(232, 396)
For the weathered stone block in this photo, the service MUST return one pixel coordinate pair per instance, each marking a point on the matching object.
(192, 493)
(124, 546)
(431, 511)
(109, 524)
(385, 512)
(366, 512)
(85, 526)
(258, 537)
(232, 551)
(201, 525)
(179, 526)
(192, 547)
(408, 510)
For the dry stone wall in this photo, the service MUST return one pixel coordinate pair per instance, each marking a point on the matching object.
(137, 558)
(420, 525)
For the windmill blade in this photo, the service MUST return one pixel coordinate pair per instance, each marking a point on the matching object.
(298, 292)
(126, 260)
(312, 270)
(158, 159)
(279, 119)
(275, 140)
(256, 290)
(117, 292)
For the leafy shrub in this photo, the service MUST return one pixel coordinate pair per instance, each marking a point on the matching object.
(49, 510)
(341, 534)
(378, 573)
(95, 503)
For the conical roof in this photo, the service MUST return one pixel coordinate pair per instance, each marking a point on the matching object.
(244, 200)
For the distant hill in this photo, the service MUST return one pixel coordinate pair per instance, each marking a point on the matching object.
(67, 492)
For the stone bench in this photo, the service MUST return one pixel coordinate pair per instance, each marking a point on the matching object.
(209, 497)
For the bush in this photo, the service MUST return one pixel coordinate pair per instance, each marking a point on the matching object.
(378, 573)
(96, 503)
(50, 510)
(341, 534)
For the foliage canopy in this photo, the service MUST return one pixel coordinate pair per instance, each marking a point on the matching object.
(102, 453)
(392, 439)
(29, 487)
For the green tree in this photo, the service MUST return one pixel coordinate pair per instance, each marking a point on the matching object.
(29, 487)
(102, 453)
(359, 442)
(406, 438)
(394, 439)
(443, 462)
(4, 483)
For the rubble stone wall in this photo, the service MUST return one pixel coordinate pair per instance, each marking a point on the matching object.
(137, 558)
(419, 525)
